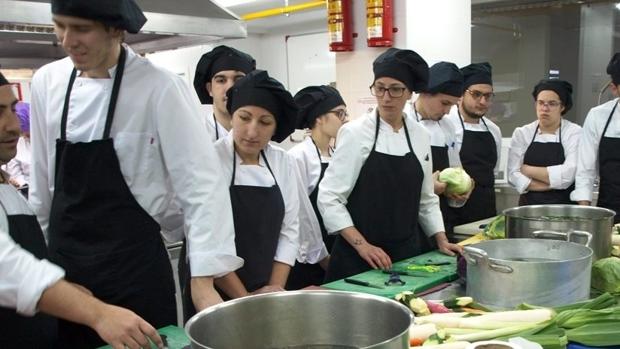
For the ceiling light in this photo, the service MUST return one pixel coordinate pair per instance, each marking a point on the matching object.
(618, 5)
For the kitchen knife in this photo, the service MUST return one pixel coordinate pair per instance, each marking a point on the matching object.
(362, 283)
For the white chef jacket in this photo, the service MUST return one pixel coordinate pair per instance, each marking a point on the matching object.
(286, 175)
(560, 176)
(442, 134)
(19, 167)
(587, 155)
(23, 277)
(353, 145)
(312, 248)
(164, 152)
(453, 117)
(213, 125)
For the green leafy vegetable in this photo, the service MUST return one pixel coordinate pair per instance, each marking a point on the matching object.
(606, 275)
(457, 180)
(496, 229)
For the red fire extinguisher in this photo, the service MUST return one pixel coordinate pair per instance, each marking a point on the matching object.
(379, 23)
(340, 25)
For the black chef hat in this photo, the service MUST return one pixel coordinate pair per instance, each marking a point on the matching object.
(3, 80)
(446, 78)
(314, 101)
(259, 89)
(563, 88)
(477, 73)
(403, 65)
(219, 59)
(613, 68)
(122, 14)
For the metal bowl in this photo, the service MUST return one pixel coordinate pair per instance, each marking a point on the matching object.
(302, 319)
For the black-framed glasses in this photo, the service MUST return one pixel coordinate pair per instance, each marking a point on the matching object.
(477, 95)
(548, 104)
(341, 114)
(394, 91)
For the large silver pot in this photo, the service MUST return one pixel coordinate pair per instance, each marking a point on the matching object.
(303, 319)
(505, 273)
(565, 222)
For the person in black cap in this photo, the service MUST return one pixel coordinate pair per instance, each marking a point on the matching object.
(29, 284)
(264, 186)
(542, 159)
(478, 141)
(380, 184)
(445, 87)
(322, 111)
(216, 72)
(120, 154)
(598, 154)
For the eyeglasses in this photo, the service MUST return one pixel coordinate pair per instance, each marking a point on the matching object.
(394, 91)
(548, 104)
(477, 95)
(341, 114)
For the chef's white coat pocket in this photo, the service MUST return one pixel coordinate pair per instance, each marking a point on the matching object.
(135, 151)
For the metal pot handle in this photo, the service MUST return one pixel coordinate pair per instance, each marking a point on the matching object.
(538, 234)
(582, 233)
(473, 255)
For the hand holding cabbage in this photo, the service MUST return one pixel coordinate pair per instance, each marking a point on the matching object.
(458, 183)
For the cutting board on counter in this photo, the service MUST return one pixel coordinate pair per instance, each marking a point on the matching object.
(415, 284)
(175, 336)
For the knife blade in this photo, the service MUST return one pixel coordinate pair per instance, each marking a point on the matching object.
(362, 283)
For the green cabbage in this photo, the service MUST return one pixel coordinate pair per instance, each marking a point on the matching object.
(606, 275)
(457, 180)
(496, 229)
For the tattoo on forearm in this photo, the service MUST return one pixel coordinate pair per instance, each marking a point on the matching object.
(357, 242)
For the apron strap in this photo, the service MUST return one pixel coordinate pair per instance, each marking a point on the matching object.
(262, 153)
(318, 152)
(217, 134)
(374, 144)
(415, 110)
(609, 120)
(118, 77)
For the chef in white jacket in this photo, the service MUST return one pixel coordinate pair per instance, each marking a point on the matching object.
(19, 166)
(478, 141)
(542, 159)
(120, 153)
(380, 184)
(216, 71)
(598, 154)
(323, 111)
(263, 184)
(445, 87)
(30, 285)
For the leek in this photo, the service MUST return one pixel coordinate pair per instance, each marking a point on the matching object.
(596, 334)
(492, 334)
(580, 317)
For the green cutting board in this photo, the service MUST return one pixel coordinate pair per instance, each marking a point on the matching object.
(174, 335)
(415, 284)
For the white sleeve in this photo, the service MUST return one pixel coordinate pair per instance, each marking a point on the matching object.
(518, 147)
(14, 169)
(39, 194)
(563, 176)
(23, 277)
(497, 134)
(197, 181)
(288, 242)
(587, 159)
(339, 180)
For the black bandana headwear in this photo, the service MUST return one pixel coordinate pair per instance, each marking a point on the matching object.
(259, 89)
(121, 14)
(314, 101)
(477, 73)
(405, 66)
(613, 68)
(446, 78)
(564, 89)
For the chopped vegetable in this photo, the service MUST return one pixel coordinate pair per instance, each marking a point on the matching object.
(437, 308)
(596, 334)
(419, 307)
(496, 229)
(457, 180)
(458, 302)
(437, 338)
(606, 275)
(414, 342)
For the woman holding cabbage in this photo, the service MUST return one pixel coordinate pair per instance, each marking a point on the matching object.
(543, 154)
(379, 184)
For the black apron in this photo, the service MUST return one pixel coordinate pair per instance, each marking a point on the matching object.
(384, 207)
(543, 155)
(19, 331)
(609, 169)
(258, 213)
(101, 236)
(217, 132)
(441, 161)
(478, 156)
(306, 274)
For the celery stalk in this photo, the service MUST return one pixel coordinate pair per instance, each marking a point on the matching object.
(491, 334)
(596, 334)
